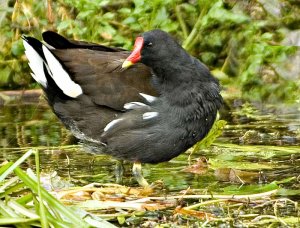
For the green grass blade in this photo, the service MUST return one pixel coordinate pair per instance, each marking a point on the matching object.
(7, 212)
(16, 164)
(21, 210)
(12, 189)
(42, 211)
(51, 201)
(24, 199)
(13, 221)
(5, 167)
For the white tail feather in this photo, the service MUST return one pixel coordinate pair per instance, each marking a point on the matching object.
(36, 64)
(60, 76)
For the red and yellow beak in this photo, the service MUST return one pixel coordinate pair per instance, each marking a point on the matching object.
(135, 55)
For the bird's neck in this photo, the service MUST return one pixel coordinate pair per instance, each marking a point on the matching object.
(169, 76)
(188, 85)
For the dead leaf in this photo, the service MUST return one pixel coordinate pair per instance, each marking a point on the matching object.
(78, 196)
(200, 167)
(194, 213)
(154, 206)
(236, 176)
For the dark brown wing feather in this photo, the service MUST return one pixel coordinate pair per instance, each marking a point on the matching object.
(106, 88)
(100, 76)
(59, 42)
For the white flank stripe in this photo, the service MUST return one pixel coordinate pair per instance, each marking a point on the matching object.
(134, 105)
(148, 98)
(149, 115)
(111, 124)
(36, 64)
(60, 76)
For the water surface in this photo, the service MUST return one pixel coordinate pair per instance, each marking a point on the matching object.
(261, 139)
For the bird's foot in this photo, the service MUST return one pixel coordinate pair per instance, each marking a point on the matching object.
(137, 173)
(157, 185)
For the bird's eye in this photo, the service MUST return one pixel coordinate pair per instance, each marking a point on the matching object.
(149, 44)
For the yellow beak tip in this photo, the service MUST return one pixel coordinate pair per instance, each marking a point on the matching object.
(126, 64)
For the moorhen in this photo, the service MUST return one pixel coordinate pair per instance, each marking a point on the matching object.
(147, 106)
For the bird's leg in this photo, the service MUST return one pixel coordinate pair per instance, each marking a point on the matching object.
(119, 171)
(137, 173)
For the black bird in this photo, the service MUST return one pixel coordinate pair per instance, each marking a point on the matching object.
(146, 107)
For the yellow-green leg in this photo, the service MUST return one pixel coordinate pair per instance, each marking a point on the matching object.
(137, 173)
(119, 171)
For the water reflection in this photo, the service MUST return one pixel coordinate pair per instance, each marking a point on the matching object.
(24, 126)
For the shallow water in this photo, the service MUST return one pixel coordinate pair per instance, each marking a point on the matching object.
(263, 140)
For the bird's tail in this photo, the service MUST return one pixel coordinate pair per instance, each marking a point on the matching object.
(49, 72)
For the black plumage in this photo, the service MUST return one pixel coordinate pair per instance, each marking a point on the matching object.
(151, 130)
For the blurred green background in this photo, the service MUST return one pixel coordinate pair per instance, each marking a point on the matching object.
(250, 45)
